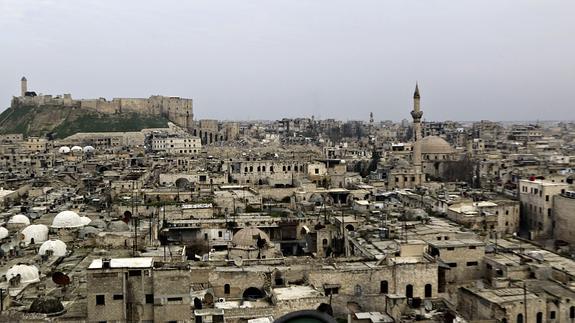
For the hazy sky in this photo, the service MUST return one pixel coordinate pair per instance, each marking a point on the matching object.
(267, 59)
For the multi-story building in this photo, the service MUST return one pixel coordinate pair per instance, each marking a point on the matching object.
(537, 197)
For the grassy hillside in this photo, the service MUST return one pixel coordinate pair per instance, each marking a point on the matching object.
(65, 121)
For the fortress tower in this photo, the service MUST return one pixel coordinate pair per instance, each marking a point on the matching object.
(23, 86)
(416, 113)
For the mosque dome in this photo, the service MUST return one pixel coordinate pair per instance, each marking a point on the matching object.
(88, 149)
(38, 232)
(3, 233)
(19, 219)
(118, 226)
(64, 150)
(67, 219)
(435, 145)
(28, 274)
(76, 149)
(57, 247)
(46, 305)
(248, 237)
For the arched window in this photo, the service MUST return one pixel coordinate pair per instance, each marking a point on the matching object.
(539, 317)
(519, 318)
(428, 290)
(383, 287)
(227, 289)
(409, 291)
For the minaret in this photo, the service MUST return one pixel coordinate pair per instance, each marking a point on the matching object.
(23, 86)
(416, 113)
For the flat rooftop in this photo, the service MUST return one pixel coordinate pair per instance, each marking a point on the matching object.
(137, 262)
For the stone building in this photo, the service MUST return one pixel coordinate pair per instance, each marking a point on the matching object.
(130, 289)
(537, 198)
(564, 213)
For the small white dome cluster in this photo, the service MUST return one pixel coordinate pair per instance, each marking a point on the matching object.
(57, 247)
(38, 232)
(28, 274)
(19, 219)
(76, 149)
(68, 219)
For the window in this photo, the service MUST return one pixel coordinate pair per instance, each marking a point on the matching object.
(227, 289)
(219, 234)
(539, 317)
(383, 287)
(452, 264)
(149, 298)
(118, 297)
(546, 198)
(572, 312)
(551, 315)
(450, 248)
(428, 290)
(472, 247)
(471, 263)
(174, 299)
(358, 290)
(409, 291)
(519, 318)
(100, 300)
(133, 273)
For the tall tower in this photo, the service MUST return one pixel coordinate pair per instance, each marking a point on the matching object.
(416, 113)
(23, 86)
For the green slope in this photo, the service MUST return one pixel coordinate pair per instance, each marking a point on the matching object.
(65, 121)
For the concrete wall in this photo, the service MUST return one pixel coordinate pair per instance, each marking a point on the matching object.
(564, 211)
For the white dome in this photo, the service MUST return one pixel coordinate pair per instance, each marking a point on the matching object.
(28, 274)
(3, 233)
(19, 219)
(67, 219)
(85, 220)
(88, 149)
(57, 247)
(38, 232)
(76, 148)
(64, 150)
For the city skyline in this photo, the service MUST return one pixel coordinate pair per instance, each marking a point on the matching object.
(260, 61)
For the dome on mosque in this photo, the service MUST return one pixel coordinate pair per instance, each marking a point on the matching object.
(58, 248)
(64, 150)
(38, 232)
(67, 219)
(88, 149)
(248, 237)
(76, 149)
(19, 219)
(88, 231)
(28, 274)
(435, 145)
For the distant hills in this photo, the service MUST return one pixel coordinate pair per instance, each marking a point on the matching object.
(63, 121)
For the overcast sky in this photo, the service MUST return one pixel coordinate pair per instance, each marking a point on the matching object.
(267, 59)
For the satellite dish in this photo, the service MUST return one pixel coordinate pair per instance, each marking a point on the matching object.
(59, 278)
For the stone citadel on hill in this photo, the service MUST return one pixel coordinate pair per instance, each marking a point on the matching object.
(177, 110)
